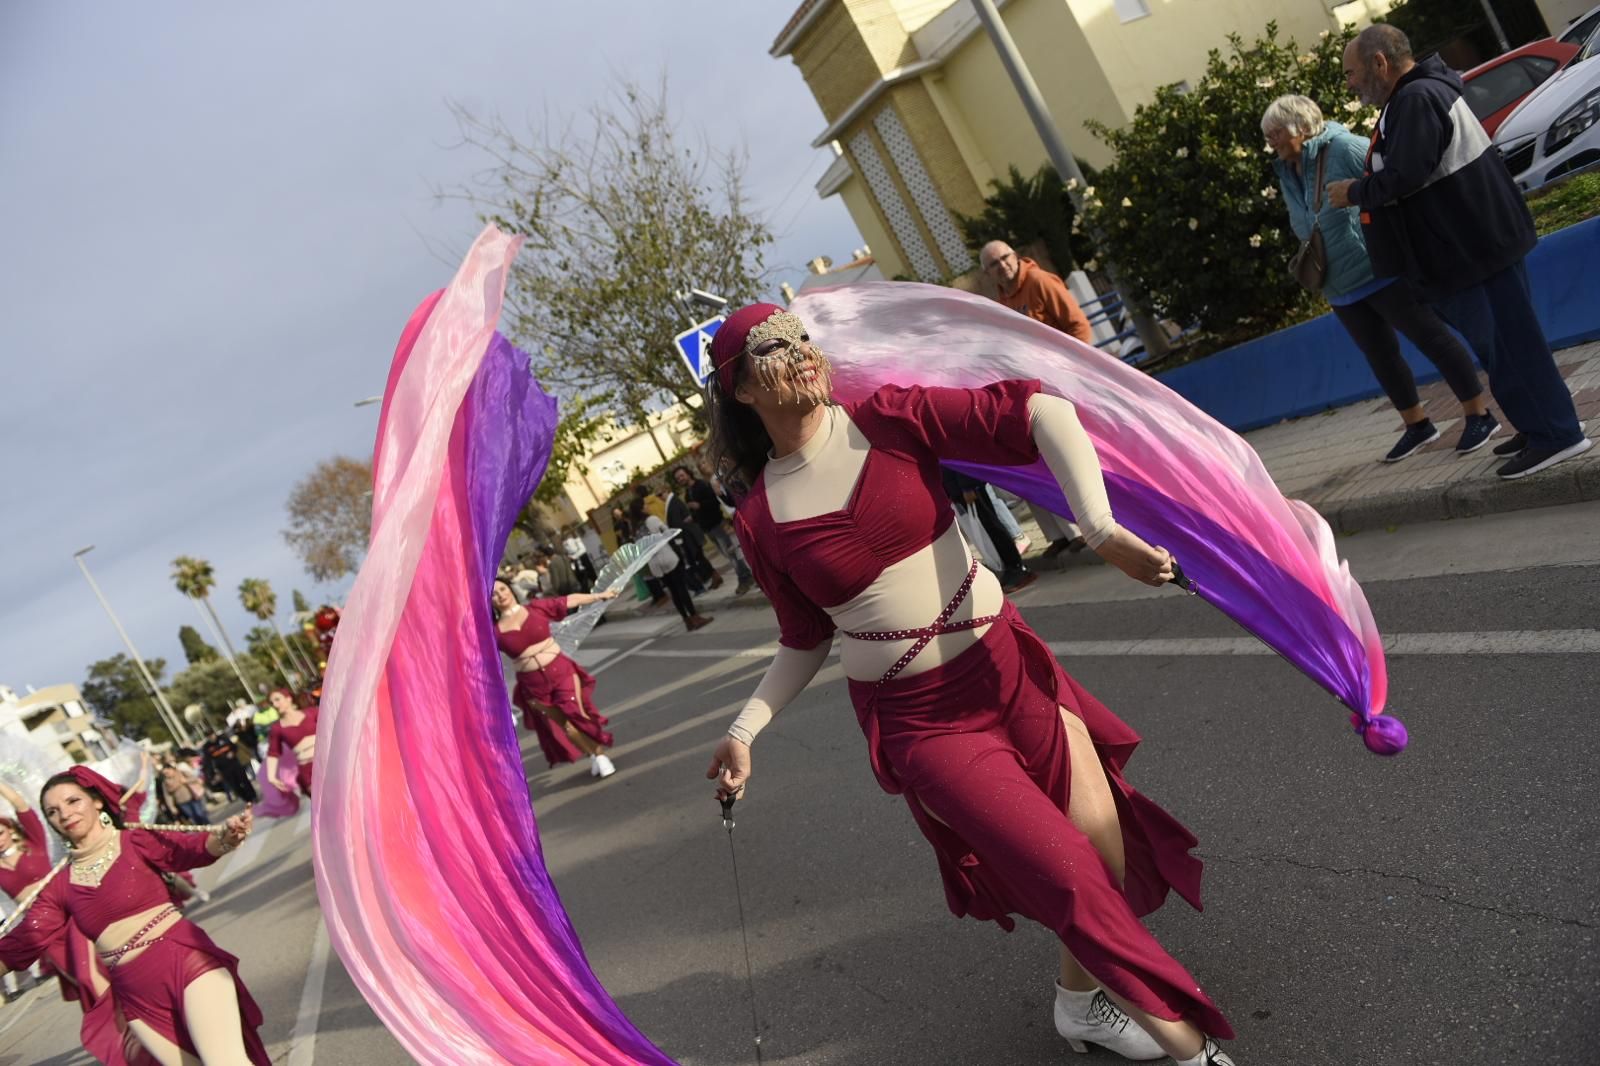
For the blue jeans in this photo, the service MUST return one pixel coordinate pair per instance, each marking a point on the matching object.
(195, 812)
(1498, 321)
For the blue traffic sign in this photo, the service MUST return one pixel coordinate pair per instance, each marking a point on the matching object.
(694, 346)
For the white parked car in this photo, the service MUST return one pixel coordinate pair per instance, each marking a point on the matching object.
(1555, 131)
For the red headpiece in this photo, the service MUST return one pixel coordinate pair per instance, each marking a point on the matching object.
(727, 344)
(88, 779)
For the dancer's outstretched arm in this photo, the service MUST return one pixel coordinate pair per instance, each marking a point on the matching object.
(791, 671)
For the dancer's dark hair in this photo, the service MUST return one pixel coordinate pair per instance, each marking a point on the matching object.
(738, 437)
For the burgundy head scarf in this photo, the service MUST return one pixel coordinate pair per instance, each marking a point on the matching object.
(88, 779)
(727, 344)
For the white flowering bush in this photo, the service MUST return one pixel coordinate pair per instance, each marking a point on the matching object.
(1190, 210)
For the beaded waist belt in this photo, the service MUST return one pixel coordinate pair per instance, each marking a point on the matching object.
(924, 635)
(137, 940)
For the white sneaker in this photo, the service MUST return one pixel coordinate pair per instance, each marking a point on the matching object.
(600, 766)
(1092, 1017)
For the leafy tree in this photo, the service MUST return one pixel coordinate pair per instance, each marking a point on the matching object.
(301, 604)
(214, 684)
(330, 517)
(1022, 210)
(115, 690)
(195, 649)
(195, 578)
(620, 211)
(1190, 210)
(257, 597)
(580, 428)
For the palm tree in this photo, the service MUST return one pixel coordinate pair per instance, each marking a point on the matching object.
(195, 579)
(257, 597)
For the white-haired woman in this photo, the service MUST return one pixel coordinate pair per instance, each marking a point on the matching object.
(1312, 152)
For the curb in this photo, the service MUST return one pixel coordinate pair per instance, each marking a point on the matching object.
(1467, 499)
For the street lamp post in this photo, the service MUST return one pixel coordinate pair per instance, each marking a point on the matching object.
(179, 733)
(1150, 332)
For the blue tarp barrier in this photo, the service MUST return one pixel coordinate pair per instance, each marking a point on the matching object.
(1315, 366)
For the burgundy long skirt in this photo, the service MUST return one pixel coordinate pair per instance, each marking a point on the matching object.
(979, 740)
(569, 688)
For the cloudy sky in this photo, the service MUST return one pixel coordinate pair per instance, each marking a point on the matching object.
(216, 219)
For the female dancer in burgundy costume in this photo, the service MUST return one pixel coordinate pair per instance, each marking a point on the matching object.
(1012, 771)
(24, 862)
(297, 727)
(180, 993)
(556, 694)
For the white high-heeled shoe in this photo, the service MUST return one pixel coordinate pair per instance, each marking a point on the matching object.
(1091, 1017)
(600, 766)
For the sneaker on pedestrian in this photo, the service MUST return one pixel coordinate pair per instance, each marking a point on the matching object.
(1416, 435)
(743, 587)
(1513, 446)
(1477, 431)
(1533, 460)
(1091, 1017)
(600, 766)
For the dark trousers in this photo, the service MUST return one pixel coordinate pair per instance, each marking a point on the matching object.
(677, 582)
(1372, 324)
(1004, 546)
(1498, 320)
(691, 544)
(237, 780)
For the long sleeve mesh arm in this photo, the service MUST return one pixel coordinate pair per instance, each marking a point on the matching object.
(1071, 458)
(791, 671)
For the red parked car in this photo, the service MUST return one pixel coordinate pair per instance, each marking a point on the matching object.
(1495, 87)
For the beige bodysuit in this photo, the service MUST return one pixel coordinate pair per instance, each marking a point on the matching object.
(818, 478)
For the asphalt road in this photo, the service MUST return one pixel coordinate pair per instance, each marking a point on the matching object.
(1439, 907)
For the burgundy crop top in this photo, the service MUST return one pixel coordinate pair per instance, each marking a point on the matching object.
(34, 863)
(535, 628)
(291, 734)
(130, 887)
(897, 507)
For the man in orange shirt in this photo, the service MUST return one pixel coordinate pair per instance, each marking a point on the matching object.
(1027, 287)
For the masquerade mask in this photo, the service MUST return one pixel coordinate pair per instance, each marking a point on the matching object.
(773, 339)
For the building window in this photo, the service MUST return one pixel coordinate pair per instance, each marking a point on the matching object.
(934, 214)
(894, 209)
(1129, 10)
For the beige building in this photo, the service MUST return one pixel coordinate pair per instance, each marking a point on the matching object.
(921, 116)
(57, 720)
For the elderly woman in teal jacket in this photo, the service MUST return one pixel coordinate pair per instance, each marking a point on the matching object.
(1370, 308)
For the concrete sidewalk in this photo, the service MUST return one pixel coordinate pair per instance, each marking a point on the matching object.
(1330, 460)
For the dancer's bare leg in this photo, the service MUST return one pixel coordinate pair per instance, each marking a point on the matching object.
(584, 742)
(1094, 811)
(211, 1011)
(161, 1049)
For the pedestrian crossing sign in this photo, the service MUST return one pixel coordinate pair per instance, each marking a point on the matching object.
(694, 346)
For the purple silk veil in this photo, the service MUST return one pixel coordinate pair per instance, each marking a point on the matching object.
(1175, 476)
(427, 853)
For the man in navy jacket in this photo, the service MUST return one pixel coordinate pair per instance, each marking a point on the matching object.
(1439, 209)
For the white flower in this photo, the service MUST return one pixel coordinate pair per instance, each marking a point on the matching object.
(1126, 202)
(1323, 36)
(1371, 122)
(1204, 260)
(1352, 106)
(1162, 132)
(1072, 183)
(1255, 240)
(1269, 193)
(1265, 83)
(1303, 60)
(1092, 264)
(1241, 152)
(1182, 153)
(1268, 149)
(1088, 191)
(1274, 234)
(1194, 224)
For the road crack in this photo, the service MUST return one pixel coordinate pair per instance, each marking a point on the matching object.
(1433, 890)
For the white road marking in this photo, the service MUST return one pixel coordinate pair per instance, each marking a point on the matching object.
(617, 658)
(1502, 642)
(303, 1042)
